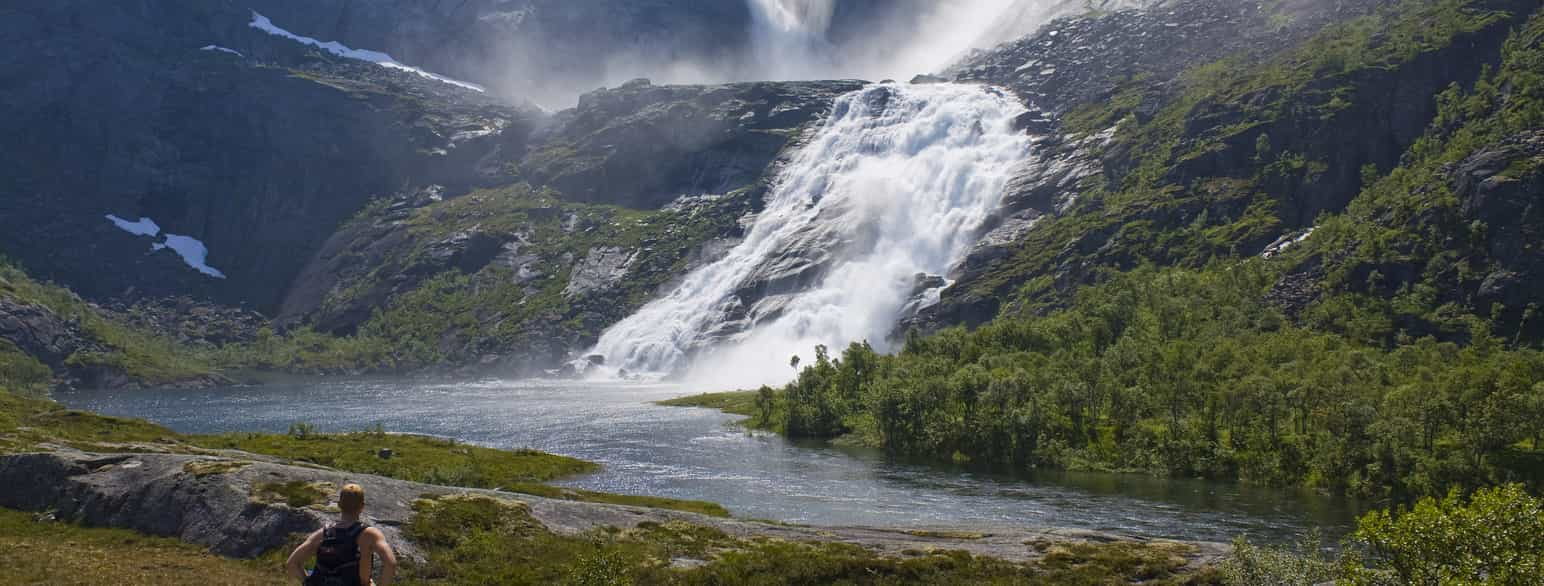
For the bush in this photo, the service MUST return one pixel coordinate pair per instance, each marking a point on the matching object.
(1496, 537)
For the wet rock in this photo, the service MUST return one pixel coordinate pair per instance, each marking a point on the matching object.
(601, 269)
(670, 141)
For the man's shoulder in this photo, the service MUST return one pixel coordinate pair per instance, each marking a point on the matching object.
(372, 533)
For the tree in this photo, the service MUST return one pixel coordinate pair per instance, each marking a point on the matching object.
(1497, 537)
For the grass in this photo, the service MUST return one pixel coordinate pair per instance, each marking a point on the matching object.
(47, 552)
(141, 355)
(416, 458)
(295, 493)
(27, 422)
(733, 402)
(481, 540)
(762, 411)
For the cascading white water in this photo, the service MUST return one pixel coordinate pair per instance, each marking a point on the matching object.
(894, 183)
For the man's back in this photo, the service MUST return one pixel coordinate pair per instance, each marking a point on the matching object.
(345, 551)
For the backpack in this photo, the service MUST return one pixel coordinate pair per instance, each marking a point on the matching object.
(337, 560)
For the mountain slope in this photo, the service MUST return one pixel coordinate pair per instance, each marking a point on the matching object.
(1159, 323)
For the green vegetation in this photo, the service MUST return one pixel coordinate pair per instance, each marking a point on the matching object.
(137, 354)
(1189, 373)
(26, 422)
(448, 315)
(760, 407)
(482, 540)
(1495, 537)
(1224, 166)
(1378, 389)
(411, 457)
(37, 550)
(1411, 223)
(22, 372)
(295, 493)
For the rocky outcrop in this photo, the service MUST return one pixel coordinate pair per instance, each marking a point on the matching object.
(601, 269)
(642, 146)
(258, 152)
(1084, 59)
(216, 501)
(1501, 187)
(1303, 146)
(42, 334)
(189, 321)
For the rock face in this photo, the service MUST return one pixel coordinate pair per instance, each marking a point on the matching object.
(642, 146)
(43, 334)
(601, 269)
(1502, 188)
(210, 501)
(1221, 159)
(1079, 60)
(629, 187)
(258, 153)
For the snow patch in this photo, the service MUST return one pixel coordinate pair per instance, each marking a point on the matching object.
(189, 248)
(262, 23)
(144, 227)
(192, 252)
(221, 49)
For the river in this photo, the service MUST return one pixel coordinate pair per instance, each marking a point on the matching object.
(701, 454)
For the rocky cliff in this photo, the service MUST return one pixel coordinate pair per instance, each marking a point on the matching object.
(252, 147)
(1171, 145)
(275, 156)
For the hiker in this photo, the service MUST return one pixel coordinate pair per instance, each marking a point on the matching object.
(344, 550)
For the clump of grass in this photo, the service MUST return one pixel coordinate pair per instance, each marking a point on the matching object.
(295, 493)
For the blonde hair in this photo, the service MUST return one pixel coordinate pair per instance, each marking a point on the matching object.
(351, 499)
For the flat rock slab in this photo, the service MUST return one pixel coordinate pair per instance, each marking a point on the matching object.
(209, 500)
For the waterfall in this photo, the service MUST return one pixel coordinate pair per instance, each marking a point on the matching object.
(788, 37)
(895, 182)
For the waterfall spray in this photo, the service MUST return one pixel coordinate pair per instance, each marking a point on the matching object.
(894, 183)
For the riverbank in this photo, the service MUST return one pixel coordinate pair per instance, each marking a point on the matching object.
(128, 474)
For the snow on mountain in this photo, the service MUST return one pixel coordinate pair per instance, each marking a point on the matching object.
(262, 23)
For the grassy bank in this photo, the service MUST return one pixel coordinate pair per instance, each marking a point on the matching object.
(472, 539)
(36, 550)
(27, 422)
(762, 408)
(486, 541)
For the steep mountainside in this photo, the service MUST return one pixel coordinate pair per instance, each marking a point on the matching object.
(255, 151)
(390, 216)
(1221, 158)
(1316, 269)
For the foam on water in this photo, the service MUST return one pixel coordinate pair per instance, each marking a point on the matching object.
(894, 183)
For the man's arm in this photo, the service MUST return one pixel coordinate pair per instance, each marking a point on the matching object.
(294, 567)
(382, 551)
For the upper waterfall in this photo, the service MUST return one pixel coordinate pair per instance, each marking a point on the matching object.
(894, 183)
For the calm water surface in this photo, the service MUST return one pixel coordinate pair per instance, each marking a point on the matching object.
(699, 454)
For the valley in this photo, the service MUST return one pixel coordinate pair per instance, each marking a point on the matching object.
(1170, 291)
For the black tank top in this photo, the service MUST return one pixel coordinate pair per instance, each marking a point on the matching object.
(337, 560)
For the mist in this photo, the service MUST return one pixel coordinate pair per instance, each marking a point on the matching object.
(539, 57)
